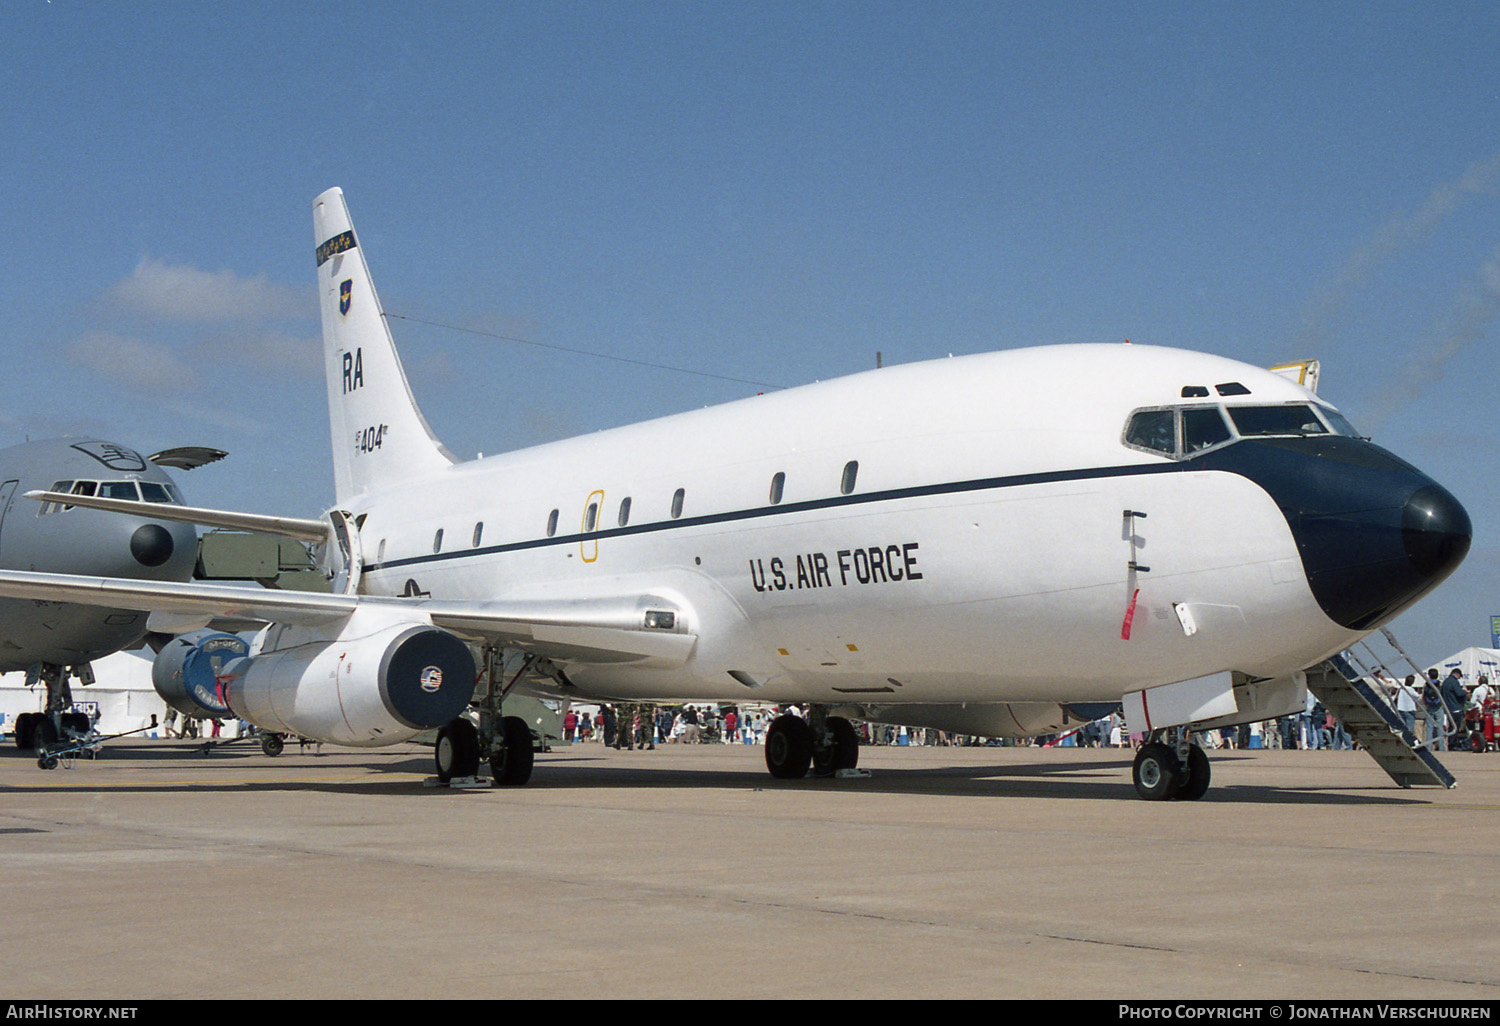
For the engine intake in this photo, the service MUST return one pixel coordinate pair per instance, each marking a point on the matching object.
(375, 683)
(186, 672)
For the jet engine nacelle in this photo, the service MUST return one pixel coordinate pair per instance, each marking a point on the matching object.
(186, 672)
(379, 681)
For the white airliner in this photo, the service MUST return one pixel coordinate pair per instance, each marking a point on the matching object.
(1000, 544)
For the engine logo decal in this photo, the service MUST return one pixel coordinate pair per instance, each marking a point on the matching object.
(432, 679)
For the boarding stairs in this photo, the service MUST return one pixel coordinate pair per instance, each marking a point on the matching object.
(1368, 717)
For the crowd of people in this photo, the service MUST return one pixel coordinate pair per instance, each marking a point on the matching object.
(1442, 712)
(1448, 712)
(640, 725)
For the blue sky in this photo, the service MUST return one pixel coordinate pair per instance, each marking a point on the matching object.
(772, 192)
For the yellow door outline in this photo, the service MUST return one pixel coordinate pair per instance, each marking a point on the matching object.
(595, 501)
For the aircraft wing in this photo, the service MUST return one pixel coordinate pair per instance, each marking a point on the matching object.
(608, 630)
(593, 630)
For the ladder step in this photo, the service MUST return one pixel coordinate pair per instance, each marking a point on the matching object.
(1371, 721)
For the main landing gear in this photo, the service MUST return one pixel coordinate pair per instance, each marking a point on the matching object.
(820, 744)
(43, 730)
(1170, 768)
(460, 749)
(505, 740)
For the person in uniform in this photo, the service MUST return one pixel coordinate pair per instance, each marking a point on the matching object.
(625, 717)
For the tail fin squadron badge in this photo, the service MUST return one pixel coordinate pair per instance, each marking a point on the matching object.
(346, 293)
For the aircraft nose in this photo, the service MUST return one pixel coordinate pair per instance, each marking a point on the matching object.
(151, 545)
(1375, 534)
(1380, 541)
(1435, 531)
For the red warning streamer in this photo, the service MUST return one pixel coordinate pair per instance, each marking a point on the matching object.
(1129, 616)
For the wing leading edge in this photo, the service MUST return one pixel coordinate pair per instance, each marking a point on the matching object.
(624, 629)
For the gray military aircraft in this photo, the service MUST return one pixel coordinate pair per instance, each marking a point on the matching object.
(55, 642)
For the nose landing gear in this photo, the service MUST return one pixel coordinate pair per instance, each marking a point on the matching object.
(1170, 768)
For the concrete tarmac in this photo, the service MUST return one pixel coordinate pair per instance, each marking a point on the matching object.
(158, 872)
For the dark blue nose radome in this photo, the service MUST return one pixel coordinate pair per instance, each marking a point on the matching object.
(151, 545)
(1436, 532)
(1375, 534)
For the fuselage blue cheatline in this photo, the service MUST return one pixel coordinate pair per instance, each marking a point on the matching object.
(979, 543)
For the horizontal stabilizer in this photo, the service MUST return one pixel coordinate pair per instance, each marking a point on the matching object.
(303, 607)
(290, 527)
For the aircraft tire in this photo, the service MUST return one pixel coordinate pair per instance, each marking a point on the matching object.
(1156, 772)
(1198, 775)
(457, 750)
(513, 763)
(789, 747)
(25, 730)
(843, 753)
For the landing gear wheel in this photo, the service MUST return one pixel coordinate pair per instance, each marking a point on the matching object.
(1198, 773)
(842, 753)
(457, 751)
(512, 764)
(789, 747)
(26, 729)
(1156, 772)
(272, 744)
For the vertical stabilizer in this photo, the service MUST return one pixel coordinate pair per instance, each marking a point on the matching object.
(380, 437)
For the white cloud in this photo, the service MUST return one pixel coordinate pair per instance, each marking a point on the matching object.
(266, 351)
(148, 368)
(184, 293)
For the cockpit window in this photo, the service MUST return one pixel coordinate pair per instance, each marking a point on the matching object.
(1261, 421)
(1202, 428)
(1184, 431)
(1155, 430)
(119, 490)
(150, 491)
(1339, 423)
(1178, 431)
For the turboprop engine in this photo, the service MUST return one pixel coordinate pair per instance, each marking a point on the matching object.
(382, 679)
(186, 672)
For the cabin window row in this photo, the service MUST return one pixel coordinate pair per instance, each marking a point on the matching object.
(622, 518)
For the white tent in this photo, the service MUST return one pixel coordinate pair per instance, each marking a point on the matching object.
(122, 694)
(1471, 662)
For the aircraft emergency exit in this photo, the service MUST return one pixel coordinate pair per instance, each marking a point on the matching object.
(999, 544)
